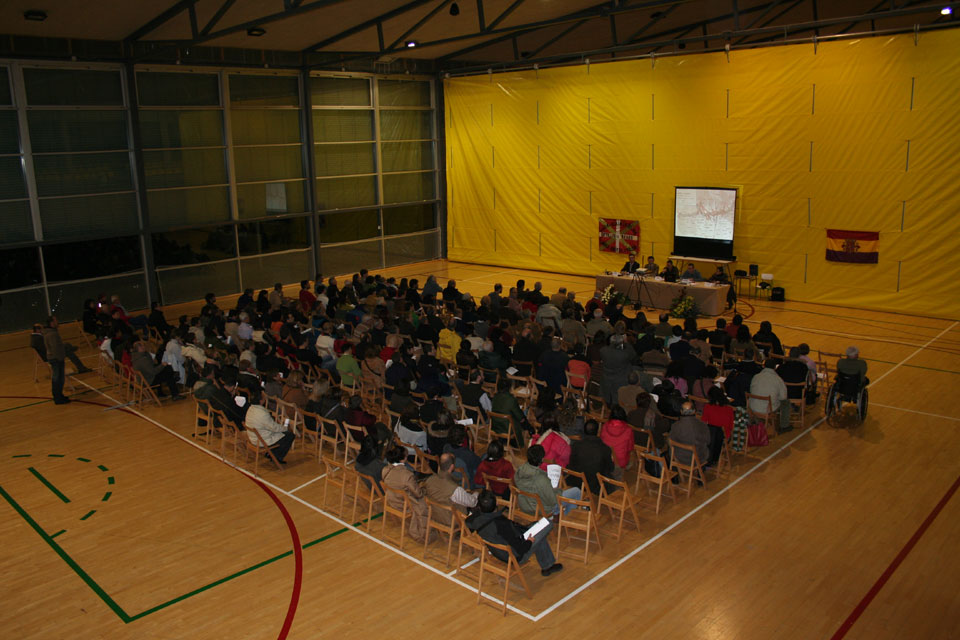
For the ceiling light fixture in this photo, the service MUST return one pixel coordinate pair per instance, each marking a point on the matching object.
(411, 44)
(454, 9)
(256, 32)
(946, 11)
(37, 15)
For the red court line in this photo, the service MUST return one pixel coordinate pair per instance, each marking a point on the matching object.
(885, 576)
(294, 534)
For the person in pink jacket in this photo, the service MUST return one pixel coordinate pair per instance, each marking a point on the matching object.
(618, 435)
(556, 446)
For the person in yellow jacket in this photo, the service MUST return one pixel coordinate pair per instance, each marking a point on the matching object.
(449, 342)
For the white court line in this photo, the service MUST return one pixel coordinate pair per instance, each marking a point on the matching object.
(464, 566)
(899, 364)
(676, 524)
(922, 413)
(308, 482)
(319, 510)
(619, 562)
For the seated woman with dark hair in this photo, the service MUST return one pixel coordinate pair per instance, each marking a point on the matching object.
(494, 464)
(718, 415)
(701, 387)
(618, 435)
(675, 376)
(766, 336)
(742, 341)
(369, 463)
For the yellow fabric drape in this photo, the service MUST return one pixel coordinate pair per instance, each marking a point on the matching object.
(856, 134)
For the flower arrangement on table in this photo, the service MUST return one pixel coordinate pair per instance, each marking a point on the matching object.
(684, 306)
(610, 294)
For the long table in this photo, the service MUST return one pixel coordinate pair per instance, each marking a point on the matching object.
(660, 294)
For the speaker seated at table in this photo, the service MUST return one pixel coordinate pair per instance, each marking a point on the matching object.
(670, 272)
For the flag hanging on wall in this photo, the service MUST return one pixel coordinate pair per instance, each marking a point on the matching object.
(619, 236)
(853, 246)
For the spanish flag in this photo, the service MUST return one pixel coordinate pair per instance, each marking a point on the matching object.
(853, 246)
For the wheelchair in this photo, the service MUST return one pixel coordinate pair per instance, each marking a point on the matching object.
(847, 389)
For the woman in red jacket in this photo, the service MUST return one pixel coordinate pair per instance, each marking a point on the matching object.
(618, 435)
(556, 446)
(494, 464)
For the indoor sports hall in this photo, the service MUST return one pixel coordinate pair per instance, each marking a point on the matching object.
(228, 226)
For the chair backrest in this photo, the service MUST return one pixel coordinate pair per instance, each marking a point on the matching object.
(647, 456)
(694, 458)
(567, 474)
(605, 483)
(515, 493)
(751, 396)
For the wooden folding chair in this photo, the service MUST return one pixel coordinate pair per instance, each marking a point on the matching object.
(404, 514)
(142, 390)
(365, 489)
(289, 411)
(348, 434)
(510, 436)
(489, 563)
(502, 503)
(519, 515)
(328, 433)
(596, 408)
(425, 462)
(798, 406)
(255, 445)
(581, 481)
(480, 426)
(450, 529)
(766, 417)
(650, 480)
(692, 469)
(581, 517)
(334, 475)
(201, 418)
(619, 499)
(228, 432)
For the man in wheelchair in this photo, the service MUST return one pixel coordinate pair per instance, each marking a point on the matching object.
(850, 384)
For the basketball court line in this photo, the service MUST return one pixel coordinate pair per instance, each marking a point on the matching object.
(922, 413)
(317, 509)
(308, 482)
(900, 364)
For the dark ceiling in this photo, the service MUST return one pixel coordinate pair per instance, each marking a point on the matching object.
(449, 35)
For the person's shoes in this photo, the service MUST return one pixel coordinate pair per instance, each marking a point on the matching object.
(556, 568)
(84, 370)
(62, 401)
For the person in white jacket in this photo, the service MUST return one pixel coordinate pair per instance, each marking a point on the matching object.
(769, 383)
(276, 436)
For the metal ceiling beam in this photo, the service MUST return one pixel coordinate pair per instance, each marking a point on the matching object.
(506, 12)
(557, 37)
(216, 16)
(746, 33)
(779, 15)
(504, 33)
(636, 34)
(363, 26)
(160, 20)
(480, 18)
(424, 20)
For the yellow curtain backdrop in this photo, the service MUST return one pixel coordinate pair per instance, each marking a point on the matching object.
(857, 134)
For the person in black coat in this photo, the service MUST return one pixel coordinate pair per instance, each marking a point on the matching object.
(496, 528)
(631, 265)
(590, 455)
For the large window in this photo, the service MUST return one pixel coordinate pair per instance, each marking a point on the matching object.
(267, 145)
(184, 155)
(239, 186)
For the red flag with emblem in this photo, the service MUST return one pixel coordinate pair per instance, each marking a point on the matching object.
(619, 236)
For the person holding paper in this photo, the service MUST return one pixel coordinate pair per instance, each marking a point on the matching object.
(441, 487)
(494, 527)
(532, 479)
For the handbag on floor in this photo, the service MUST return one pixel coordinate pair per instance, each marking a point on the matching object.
(757, 435)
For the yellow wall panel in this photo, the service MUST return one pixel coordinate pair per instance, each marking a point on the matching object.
(566, 146)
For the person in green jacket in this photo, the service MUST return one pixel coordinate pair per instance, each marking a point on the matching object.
(532, 479)
(348, 367)
(505, 402)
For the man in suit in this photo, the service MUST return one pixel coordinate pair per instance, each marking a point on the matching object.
(631, 265)
(691, 431)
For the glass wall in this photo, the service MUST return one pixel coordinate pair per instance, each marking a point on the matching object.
(229, 199)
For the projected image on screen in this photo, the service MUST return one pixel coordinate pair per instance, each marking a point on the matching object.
(706, 213)
(704, 221)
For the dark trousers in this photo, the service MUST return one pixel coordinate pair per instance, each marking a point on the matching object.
(71, 351)
(56, 379)
(282, 446)
(167, 377)
(716, 444)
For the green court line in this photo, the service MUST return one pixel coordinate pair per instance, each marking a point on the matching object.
(106, 496)
(102, 468)
(111, 603)
(110, 480)
(245, 571)
(83, 459)
(48, 485)
(89, 513)
(97, 589)
(55, 455)
(23, 455)
(24, 406)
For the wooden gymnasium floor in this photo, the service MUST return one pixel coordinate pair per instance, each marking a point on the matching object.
(116, 525)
